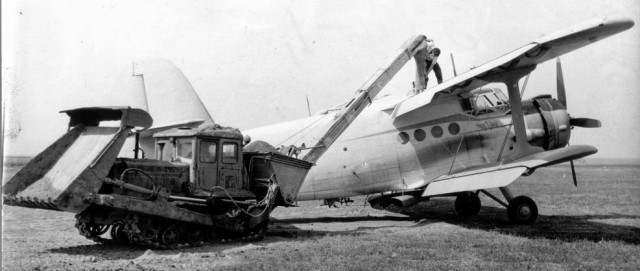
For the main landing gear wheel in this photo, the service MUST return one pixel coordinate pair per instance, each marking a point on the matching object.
(467, 204)
(522, 210)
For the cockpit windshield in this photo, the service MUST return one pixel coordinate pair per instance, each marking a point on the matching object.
(485, 101)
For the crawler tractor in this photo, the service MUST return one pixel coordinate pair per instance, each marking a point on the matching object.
(201, 186)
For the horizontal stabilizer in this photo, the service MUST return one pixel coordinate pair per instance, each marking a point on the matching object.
(128, 116)
(176, 124)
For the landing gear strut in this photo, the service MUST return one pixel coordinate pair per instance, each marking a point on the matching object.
(467, 204)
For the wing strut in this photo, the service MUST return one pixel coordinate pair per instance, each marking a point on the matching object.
(517, 115)
(511, 79)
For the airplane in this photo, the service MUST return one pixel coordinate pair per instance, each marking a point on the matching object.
(456, 139)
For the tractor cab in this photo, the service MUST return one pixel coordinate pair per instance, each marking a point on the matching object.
(213, 154)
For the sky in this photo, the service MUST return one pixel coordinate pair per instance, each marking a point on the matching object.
(254, 63)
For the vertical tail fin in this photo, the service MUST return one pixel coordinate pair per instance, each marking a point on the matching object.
(171, 100)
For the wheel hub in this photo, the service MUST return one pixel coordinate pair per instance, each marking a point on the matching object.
(524, 211)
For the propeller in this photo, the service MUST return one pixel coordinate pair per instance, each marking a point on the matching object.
(573, 173)
(585, 122)
(580, 122)
(562, 98)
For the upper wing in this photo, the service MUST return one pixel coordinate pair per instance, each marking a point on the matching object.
(501, 175)
(539, 51)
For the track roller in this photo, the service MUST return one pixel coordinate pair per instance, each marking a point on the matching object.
(194, 236)
(118, 234)
(170, 237)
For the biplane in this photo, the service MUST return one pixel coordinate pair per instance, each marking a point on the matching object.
(472, 133)
(456, 139)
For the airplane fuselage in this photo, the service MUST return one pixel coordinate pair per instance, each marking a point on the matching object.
(381, 152)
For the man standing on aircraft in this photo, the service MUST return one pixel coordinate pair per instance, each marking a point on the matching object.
(432, 64)
(426, 61)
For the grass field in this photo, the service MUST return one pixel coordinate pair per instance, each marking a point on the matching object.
(593, 227)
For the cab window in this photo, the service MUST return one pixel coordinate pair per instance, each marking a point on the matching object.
(184, 148)
(208, 151)
(229, 153)
(163, 151)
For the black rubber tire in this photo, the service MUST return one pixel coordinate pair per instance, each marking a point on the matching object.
(467, 204)
(522, 210)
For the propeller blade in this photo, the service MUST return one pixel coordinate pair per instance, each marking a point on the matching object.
(573, 173)
(585, 122)
(562, 97)
(453, 63)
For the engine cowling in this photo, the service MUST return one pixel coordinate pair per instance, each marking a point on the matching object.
(548, 123)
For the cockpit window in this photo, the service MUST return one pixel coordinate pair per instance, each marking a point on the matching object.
(485, 101)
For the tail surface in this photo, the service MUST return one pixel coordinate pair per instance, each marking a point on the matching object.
(171, 100)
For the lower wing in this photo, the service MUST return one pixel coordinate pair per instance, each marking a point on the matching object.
(501, 175)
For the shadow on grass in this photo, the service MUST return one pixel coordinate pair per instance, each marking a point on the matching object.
(107, 251)
(328, 219)
(284, 227)
(565, 228)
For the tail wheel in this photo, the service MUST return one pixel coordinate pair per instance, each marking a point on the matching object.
(522, 210)
(468, 204)
(170, 236)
